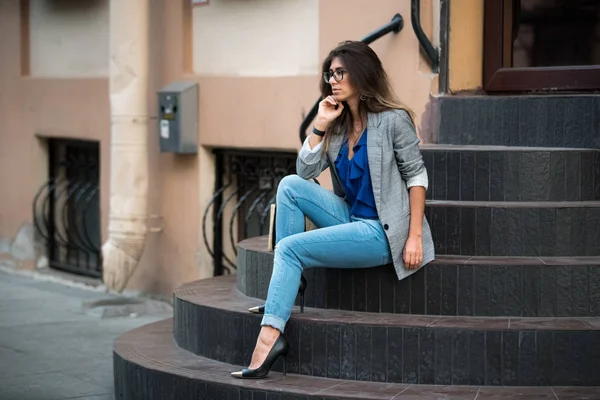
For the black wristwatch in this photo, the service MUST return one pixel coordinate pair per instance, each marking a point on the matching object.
(318, 132)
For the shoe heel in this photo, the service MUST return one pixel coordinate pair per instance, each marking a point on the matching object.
(302, 302)
(284, 365)
(280, 348)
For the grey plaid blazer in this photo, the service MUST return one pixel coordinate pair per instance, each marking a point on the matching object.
(394, 158)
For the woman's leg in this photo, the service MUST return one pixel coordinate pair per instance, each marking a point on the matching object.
(361, 243)
(296, 198)
(357, 244)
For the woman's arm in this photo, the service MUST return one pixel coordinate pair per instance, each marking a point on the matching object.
(417, 211)
(406, 149)
(412, 168)
(311, 161)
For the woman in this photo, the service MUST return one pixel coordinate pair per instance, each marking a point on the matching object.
(375, 215)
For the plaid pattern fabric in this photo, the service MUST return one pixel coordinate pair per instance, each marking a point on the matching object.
(396, 164)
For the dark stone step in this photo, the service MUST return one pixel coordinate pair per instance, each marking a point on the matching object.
(571, 121)
(539, 229)
(451, 285)
(211, 320)
(487, 173)
(149, 365)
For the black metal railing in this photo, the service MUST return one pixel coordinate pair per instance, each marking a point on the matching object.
(66, 208)
(245, 187)
(396, 25)
(430, 51)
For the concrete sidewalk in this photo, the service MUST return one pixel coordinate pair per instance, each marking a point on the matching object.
(53, 345)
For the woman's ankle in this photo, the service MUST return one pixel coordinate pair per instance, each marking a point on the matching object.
(268, 334)
(273, 322)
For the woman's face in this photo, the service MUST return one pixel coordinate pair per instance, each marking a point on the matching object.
(340, 81)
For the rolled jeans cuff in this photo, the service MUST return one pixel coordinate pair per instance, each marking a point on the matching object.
(274, 322)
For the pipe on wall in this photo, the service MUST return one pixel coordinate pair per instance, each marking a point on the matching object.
(129, 169)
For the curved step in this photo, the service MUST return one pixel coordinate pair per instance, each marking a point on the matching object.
(502, 173)
(540, 229)
(451, 285)
(149, 365)
(211, 320)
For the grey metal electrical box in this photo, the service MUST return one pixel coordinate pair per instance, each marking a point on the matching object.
(178, 118)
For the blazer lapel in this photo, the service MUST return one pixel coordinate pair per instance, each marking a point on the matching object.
(374, 153)
(335, 145)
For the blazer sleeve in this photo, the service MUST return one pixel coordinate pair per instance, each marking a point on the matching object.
(310, 162)
(406, 150)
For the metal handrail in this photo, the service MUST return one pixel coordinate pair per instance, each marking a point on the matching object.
(396, 25)
(431, 52)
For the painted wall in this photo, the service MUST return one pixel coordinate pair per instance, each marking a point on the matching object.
(32, 109)
(262, 38)
(68, 38)
(265, 112)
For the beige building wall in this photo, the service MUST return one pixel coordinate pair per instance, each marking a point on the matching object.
(68, 38)
(261, 38)
(254, 91)
(33, 109)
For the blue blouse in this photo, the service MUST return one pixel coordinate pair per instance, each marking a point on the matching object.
(355, 179)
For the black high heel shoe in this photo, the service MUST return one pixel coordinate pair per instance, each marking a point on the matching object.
(303, 283)
(280, 348)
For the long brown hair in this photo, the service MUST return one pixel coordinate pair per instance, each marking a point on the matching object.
(370, 80)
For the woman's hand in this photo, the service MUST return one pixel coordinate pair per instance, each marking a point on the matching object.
(413, 252)
(327, 112)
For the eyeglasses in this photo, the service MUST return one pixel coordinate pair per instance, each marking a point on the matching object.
(338, 75)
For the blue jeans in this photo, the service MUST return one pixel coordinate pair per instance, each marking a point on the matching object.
(341, 241)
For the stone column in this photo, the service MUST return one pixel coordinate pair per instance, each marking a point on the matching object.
(129, 175)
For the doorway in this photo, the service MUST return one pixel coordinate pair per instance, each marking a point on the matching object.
(541, 45)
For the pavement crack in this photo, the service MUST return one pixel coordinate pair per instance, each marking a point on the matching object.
(19, 351)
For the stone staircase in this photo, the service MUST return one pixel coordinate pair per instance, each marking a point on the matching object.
(340, 354)
(510, 309)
